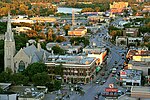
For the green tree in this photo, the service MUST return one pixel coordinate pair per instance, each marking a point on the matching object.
(41, 79)
(21, 41)
(6, 76)
(18, 79)
(58, 70)
(35, 68)
(57, 50)
(1, 56)
(57, 84)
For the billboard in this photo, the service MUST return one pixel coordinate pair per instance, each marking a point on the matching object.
(111, 90)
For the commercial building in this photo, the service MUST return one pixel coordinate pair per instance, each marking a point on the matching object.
(131, 32)
(140, 92)
(130, 77)
(78, 32)
(75, 68)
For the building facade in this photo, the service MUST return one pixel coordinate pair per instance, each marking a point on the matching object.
(75, 68)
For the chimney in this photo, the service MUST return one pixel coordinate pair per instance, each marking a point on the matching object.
(38, 46)
(27, 44)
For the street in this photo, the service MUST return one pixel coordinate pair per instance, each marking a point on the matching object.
(101, 39)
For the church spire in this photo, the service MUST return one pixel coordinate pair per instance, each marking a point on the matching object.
(9, 34)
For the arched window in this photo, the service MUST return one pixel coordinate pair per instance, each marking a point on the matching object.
(21, 66)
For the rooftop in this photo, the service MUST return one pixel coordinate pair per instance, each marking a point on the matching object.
(138, 53)
(140, 89)
(78, 60)
(139, 63)
(132, 74)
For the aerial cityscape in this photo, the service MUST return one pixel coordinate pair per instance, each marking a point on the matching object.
(74, 49)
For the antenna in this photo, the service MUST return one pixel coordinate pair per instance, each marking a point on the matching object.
(73, 17)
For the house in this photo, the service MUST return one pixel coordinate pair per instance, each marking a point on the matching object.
(75, 68)
(130, 77)
(131, 32)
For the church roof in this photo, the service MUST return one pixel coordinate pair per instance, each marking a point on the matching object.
(37, 55)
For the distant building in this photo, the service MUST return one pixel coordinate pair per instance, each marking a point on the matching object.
(99, 53)
(21, 29)
(131, 32)
(121, 41)
(118, 7)
(130, 77)
(135, 40)
(139, 55)
(78, 32)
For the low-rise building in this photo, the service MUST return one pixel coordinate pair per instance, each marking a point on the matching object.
(99, 53)
(78, 32)
(130, 77)
(21, 29)
(132, 32)
(139, 55)
(121, 41)
(75, 68)
(140, 92)
(135, 40)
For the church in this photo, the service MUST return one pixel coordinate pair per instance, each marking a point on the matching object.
(18, 61)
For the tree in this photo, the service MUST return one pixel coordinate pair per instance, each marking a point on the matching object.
(66, 28)
(58, 70)
(41, 79)
(19, 79)
(35, 68)
(57, 84)
(58, 50)
(122, 42)
(1, 56)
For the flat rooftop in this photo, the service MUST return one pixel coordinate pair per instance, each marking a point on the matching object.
(80, 60)
(140, 89)
(139, 63)
(138, 53)
(132, 74)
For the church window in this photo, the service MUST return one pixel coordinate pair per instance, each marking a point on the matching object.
(21, 66)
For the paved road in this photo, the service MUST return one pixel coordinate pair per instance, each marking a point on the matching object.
(101, 39)
(93, 89)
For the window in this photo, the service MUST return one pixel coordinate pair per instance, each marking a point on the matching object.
(21, 66)
(148, 71)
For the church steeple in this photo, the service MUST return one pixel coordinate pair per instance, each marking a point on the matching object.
(9, 34)
(9, 47)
